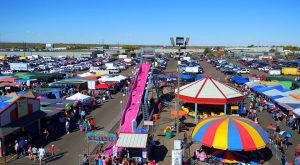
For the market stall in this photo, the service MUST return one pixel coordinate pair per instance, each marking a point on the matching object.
(135, 145)
(80, 97)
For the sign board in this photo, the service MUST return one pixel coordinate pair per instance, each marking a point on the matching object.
(22, 108)
(176, 157)
(100, 136)
(179, 40)
(18, 66)
(235, 108)
(146, 122)
(148, 52)
(177, 144)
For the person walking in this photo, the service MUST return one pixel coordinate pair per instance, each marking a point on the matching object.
(46, 135)
(67, 127)
(29, 151)
(41, 153)
(34, 153)
(52, 150)
(17, 149)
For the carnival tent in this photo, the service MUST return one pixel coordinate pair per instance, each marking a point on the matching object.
(209, 91)
(230, 133)
(80, 97)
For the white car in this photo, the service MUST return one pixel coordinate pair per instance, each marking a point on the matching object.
(7, 72)
(244, 71)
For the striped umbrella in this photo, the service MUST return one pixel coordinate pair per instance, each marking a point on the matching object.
(230, 133)
(228, 156)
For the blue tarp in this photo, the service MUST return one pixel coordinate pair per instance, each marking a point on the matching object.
(21, 93)
(276, 97)
(21, 80)
(188, 77)
(277, 87)
(3, 105)
(199, 77)
(297, 60)
(255, 88)
(240, 80)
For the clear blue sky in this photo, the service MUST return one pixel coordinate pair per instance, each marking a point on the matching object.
(209, 22)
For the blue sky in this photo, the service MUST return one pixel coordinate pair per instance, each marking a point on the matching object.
(210, 22)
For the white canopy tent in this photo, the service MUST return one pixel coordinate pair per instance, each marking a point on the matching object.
(251, 84)
(292, 92)
(287, 99)
(132, 140)
(80, 97)
(111, 78)
(86, 74)
(273, 92)
(297, 112)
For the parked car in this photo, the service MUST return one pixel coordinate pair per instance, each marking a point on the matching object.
(244, 71)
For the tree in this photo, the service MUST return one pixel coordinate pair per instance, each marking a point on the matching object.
(106, 47)
(206, 51)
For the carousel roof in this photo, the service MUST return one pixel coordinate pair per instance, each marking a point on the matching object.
(209, 91)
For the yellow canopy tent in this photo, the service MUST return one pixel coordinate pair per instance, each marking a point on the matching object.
(268, 83)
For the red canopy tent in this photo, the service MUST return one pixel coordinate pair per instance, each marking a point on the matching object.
(103, 86)
(209, 91)
(8, 79)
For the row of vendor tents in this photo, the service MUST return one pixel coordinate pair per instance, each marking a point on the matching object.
(277, 93)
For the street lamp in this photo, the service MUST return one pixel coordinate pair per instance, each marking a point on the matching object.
(121, 103)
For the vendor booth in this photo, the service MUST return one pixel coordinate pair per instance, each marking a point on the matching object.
(135, 145)
(80, 97)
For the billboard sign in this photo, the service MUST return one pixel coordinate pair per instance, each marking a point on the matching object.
(18, 66)
(179, 40)
(148, 52)
(100, 136)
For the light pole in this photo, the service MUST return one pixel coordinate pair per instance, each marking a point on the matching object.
(121, 103)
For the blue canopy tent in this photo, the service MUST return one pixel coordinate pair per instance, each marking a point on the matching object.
(257, 87)
(21, 80)
(3, 105)
(199, 77)
(277, 87)
(276, 97)
(187, 77)
(239, 80)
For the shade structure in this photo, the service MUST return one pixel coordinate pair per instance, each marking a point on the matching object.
(102, 86)
(286, 134)
(228, 156)
(179, 113)
(230, 133)
(209, 91)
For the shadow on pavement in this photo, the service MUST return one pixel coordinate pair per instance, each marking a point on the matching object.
(160, 153)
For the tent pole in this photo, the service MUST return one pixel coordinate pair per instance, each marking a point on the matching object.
(196, 113)
(225, 108)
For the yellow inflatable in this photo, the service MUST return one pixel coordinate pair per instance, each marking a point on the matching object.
(168, 128)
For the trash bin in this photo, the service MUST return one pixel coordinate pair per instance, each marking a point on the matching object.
(155, 117)
(169, 135)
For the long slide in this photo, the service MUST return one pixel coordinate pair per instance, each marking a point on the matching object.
(135, 99)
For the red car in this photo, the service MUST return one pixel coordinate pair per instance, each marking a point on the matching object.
(260, 77)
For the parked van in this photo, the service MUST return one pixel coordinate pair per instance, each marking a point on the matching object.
(290, 71)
